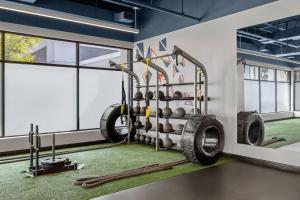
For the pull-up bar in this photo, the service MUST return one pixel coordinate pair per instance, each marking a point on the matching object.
(177, 51)
(131, 73)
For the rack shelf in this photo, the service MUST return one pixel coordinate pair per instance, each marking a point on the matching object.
(173, 84)
(152, 130)
(187, 116)
(174, 99)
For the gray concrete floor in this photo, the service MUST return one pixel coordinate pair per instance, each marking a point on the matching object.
(232, 181)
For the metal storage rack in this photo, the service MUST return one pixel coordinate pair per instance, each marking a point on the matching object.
(198, 66)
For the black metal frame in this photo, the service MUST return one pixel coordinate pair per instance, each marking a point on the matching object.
(259, 80)
(76, 66)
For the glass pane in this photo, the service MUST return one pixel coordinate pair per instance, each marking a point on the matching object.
(250, 72)
(267, 97)
(45, 96)
(283, 76)
(267, 74)
(251, 95)
(39, 50)
(96, 96)
(297, 75)
(99, 56)
(283, 97)
(297, 96)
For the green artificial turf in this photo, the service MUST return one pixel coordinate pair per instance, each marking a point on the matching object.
(15, 185)
(288, 129)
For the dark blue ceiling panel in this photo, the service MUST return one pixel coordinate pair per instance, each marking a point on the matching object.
(152, 23)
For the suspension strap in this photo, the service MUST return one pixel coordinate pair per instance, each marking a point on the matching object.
(123, 102)
(147, 97)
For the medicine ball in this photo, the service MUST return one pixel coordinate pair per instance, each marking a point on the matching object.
(148, 125)
(143, 110)
(161, 94)
(138, 124)
(142, 138)
(177, 94)
(159, 112)
(137, 137)
(137, 110)
(160, 128)
(179, 128)
(167, 142)
(148, 140)
(168, 127)
(167, 112)
(138, 95)
(150, 95)
(179, 112)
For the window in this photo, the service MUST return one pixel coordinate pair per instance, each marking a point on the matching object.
(267, 74)
(268, 103)
(93, 89)
(283, 76)
(251, 95)
(297, 90)
(297, 76)
(266, 90)
(32, 49)
(99, 56)
(251, 72)
(51, 84)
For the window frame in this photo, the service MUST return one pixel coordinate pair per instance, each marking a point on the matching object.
(259, 80)
(77, 66)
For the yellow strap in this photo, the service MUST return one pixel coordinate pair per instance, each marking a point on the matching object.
(148, 112)
(122, 109)
(122, 68)
(147, 64)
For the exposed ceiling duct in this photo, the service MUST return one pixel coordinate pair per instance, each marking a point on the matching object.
(266, 40)
(156, 8)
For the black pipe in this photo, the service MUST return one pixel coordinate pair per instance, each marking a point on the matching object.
(53, 146)
(37, 149)
(163, 10)
(31, 149)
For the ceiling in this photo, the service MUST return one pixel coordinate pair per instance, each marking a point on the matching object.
(280, 38)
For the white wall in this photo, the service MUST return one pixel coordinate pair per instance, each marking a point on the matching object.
(214, 44)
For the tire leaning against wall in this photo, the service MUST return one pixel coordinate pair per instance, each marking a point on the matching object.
(250, 128)
(195, 132)
(108, 120)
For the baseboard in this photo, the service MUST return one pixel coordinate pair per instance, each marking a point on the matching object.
(277, 116)
(21, 143)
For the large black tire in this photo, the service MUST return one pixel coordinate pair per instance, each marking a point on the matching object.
(250, 128)
(203, 139)
(108, 122)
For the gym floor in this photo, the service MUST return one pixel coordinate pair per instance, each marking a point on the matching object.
(15, 185)
(288, 129)
(231, 181)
